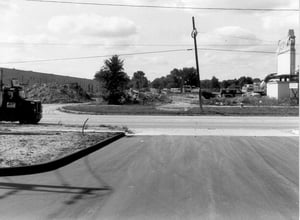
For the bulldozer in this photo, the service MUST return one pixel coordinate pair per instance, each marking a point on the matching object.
(14, 106)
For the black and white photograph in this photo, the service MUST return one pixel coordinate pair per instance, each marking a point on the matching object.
(149, 110)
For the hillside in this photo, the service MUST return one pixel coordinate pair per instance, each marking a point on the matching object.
(30, 78)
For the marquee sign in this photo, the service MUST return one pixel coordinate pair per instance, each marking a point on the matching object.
(287, 44)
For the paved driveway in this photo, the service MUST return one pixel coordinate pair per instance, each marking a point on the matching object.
(165, 177)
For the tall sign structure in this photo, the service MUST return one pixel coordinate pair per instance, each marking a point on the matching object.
(285, 83)
(286, 55)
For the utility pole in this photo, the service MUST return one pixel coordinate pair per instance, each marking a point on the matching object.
(298, 60)
(1, 80)
(194, 35)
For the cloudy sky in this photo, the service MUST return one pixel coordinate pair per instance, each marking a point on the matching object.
(32, 31)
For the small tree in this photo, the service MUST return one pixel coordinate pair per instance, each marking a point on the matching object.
(159, 83)
(139, 80)
(214, 84)
(244, 80)
(113, 80)
(190, 76)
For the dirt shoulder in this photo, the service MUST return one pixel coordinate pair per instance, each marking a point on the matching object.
(21, 149)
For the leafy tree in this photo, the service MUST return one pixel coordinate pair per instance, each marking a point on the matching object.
(225, 84)
(190, 76)
(113, 80)
(214, 84)
(176, 76)
(256, 80)
(177, 79)
(206, 84)
(180, 77)
(170, 82)
(139, 80)
(230, 83)
(244, 80)
(159, 83)
(233, 83)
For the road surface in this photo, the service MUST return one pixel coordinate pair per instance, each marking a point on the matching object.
(194, 168)
(165, 177)
(181, 125)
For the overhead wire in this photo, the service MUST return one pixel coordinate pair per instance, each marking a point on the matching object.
(136, 53)
(271, 43)
(161, 51)
(96, 56)
(178, 7)
(171, 7)
(124, 45)
(130, 5)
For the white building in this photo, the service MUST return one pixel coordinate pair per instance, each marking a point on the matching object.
(278, 89)
(285, 84)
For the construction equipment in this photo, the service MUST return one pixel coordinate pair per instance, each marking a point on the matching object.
(14, 106)
(279, 77)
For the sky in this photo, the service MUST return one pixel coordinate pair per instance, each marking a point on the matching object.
(34, 31)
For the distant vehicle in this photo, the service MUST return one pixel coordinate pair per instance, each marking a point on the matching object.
(14, 106)
(187, 88)
(248, 88)
(229, 92)
(195, 89)
(175, 90)
(208, 95)
(255, 94)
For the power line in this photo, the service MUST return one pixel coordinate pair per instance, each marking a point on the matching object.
(92, 57)
(174, 44)
(172, 7)
(137, 53)
(239, 51)
(123, 45)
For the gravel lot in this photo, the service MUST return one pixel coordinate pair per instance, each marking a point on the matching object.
(27, 148)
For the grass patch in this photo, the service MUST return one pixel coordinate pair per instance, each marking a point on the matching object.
(249, 111)
(248, 100)
(208, 110)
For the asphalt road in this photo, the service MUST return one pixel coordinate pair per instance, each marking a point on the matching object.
(180, 125)
(165, 177)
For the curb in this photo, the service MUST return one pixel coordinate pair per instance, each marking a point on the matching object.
(173, 112)
(58, 163)
(74, 112)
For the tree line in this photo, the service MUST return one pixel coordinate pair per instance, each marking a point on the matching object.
(114, 81)
(178, 78)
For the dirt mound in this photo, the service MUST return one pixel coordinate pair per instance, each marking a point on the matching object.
(148, 98)
(56, 93)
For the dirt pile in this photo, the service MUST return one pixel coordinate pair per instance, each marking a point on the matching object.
(150, 98)
(56, 93)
